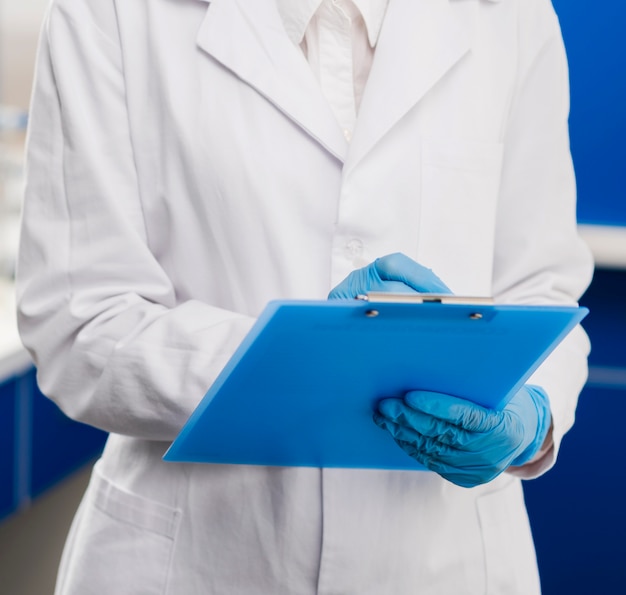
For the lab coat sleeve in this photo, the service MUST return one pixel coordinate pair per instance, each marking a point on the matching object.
(539, 255)
(112, 345)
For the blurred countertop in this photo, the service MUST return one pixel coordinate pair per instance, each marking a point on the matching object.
(607, 243)
(14, 359)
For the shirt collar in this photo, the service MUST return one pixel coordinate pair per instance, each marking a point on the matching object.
(373, 12)
(296, 15)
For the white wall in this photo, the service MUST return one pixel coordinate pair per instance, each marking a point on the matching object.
(20, 21)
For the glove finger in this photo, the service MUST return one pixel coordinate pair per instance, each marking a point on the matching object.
(398, 267)
(398, 431)
(458, 468)
(437, 457)
(446, 433)
(361, 281)
(354, 284)
(397, 411)
(466, 477)
(440, 446)
(342, 291)
(392, 287)
(464, 465)
(454, 410)
(448, 462)
(368, 279)
(420, 455)
(410, 441)
(358, 282)
(391, 273)
(460, 477)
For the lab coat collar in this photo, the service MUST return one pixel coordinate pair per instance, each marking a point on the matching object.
(373, 12)
(419, 43)
(296, 16)
(249, 39)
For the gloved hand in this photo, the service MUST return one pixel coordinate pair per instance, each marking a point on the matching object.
(394, 273)
(464, 442)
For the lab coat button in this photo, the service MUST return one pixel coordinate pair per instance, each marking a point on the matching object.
(347, 134)
(354, 248)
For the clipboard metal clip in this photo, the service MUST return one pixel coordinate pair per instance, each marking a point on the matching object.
(424, 298)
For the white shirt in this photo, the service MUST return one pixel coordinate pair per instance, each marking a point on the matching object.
(338, 38)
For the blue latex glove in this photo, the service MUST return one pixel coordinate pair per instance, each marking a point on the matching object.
(394, 273)
(463, 442)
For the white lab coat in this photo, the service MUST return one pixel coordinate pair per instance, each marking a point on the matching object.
(184, 169)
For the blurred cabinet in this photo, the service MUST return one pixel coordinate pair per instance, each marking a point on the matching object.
(7, 449)
(577, 509)
(39, 445)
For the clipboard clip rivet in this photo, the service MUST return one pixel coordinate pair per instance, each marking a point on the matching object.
(475, 316)
(371, 313)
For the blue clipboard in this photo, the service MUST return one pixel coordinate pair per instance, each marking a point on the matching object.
(301, 388)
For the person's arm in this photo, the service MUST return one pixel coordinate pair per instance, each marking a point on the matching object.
(112, 345)
(539, 257)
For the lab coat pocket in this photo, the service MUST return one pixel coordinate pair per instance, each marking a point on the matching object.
(121, 543)
(459, 193)
(507, 541)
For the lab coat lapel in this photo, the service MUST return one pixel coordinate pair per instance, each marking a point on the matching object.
(420, 41)
(249, 39)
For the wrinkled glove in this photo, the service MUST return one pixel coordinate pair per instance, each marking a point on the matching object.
(395, 273)
(464, 442)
